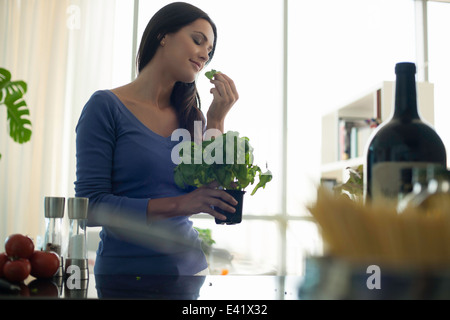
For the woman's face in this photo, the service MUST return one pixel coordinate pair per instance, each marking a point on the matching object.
(186, 51)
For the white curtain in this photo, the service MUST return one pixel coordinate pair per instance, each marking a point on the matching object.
(64, 51)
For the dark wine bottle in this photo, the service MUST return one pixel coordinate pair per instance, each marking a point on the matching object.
(404, 141)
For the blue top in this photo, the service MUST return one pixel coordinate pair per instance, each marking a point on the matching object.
(121, 164)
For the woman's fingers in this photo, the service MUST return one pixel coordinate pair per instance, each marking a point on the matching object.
(222, 204)
(225, 96)
(227, 197)
(215, 198)
(210, 209)
(230, 85)
(224, 87)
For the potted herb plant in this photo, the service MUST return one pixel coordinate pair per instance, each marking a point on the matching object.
(227, 159)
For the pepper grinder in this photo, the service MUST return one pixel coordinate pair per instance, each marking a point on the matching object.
(54, 212)
(77, 251)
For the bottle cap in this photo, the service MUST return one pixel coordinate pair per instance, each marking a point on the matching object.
(54, 207)
(77, 207)
(405, 67)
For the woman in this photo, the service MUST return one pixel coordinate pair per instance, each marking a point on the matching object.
(124, 147)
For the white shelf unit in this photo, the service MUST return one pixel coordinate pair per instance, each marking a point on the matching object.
(377, 103)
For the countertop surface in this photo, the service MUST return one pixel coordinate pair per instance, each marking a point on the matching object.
(211, 287)
(324, 278)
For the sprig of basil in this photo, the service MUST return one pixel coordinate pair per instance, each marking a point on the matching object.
(210, 74)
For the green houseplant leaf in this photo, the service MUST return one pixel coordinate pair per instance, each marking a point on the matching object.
(207, 241)
(11, 95)
(354, 184)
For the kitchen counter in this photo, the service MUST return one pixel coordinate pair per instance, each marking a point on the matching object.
(212, 287)
(324, 278)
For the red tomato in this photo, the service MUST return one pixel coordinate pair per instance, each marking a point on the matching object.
(19, 246)
(17, 270)
(3, 260)
(44, 264)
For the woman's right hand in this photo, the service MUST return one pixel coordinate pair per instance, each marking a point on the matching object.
(201, 200)
(205, 199)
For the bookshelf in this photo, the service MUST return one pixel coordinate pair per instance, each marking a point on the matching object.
(345, 135)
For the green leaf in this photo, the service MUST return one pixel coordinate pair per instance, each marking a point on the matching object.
(178, 177)
(205, 235)
(210, 74)
(264, 178)
(354, 184)
(11, 95)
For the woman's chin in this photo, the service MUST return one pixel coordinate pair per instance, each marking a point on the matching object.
(188, 77)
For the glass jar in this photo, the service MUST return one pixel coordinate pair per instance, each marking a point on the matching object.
(430, 185)
(437, 194)
(77, 250)
(54, 213)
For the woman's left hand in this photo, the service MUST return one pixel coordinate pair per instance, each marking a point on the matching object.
(225, 96)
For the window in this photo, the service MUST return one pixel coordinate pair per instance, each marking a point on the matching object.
(335, 50)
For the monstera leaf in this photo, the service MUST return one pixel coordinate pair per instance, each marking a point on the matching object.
(11, 95)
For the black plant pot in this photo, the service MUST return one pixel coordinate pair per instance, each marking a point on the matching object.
(236, 217)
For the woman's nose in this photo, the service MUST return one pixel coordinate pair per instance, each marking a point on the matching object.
(204, 55)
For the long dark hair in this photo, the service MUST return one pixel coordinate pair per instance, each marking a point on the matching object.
(170, 19)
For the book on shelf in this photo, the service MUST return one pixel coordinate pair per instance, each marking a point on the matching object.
(353, 135)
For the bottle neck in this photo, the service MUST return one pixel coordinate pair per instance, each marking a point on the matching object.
(405, 97)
